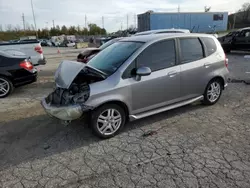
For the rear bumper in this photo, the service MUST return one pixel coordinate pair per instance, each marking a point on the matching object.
(66, 113)
(25, 80)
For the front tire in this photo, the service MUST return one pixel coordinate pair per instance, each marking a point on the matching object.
(6, 87)
(213, 92)
(107, 120)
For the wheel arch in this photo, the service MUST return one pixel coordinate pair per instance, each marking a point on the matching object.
(221, 79)
(119, 103)
(6, 75)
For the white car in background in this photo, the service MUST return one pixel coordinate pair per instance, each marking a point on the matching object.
(70, 44)
(32, 49)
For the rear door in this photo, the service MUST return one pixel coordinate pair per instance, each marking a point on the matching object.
(194, 68)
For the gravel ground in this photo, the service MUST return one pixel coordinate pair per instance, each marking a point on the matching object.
(192, 146)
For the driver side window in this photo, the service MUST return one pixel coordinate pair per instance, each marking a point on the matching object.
(157, 56)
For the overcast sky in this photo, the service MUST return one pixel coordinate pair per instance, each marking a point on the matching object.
(72, 12)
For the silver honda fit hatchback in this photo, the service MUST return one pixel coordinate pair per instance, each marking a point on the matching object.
(137, 77)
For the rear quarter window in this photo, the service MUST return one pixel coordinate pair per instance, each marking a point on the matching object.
(209, 44)
(191, 50)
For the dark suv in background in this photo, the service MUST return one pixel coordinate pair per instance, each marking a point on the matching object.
(236, 40)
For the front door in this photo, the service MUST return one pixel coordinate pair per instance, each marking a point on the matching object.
(241, 41)
(162, 86)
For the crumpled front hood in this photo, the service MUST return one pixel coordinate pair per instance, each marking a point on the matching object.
(66, 73)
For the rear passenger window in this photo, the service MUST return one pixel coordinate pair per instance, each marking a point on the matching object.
(210, 45)
(158, 56)
(191, 50)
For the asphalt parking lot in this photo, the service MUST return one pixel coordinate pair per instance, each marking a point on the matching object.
(192, 146)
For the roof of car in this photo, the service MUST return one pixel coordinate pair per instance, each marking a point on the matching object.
(162, 30)
(148, 38)
(242, 29)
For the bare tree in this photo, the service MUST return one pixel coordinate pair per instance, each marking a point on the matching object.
(244, 12)
(32, 27)
(17, 28)
(9, 27)
(28, 26)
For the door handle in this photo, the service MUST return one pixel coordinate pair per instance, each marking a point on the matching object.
(172, 74)
(206, 65)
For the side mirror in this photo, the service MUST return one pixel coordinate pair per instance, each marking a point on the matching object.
(142, 71)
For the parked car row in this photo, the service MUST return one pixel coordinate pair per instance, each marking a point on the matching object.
(66, 43)
(135, 77)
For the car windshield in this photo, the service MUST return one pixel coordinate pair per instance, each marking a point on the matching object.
(106, 44)
(112, 57)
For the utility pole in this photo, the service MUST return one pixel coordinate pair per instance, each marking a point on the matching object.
(34, 18)
(102, 22)
(85, 21)
(121, 26)
(53, 24)
(135, 21)
(179, 16)
(127, 21)
(23, 21)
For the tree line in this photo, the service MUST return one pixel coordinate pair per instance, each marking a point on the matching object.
(241, 18)
(12, 32)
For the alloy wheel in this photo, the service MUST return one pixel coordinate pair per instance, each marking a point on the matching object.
(214, 91)
(4, 87)
(109, 121)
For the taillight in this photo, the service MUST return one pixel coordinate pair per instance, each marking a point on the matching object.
(39, 49)
(26, 65)
(226, 61)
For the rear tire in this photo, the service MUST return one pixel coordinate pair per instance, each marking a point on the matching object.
(213, 92)
(6, 87)
(107, 120)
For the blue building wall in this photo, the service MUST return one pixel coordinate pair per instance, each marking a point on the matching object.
(199, 22)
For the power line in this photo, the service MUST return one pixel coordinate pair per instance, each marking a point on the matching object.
(23, 21)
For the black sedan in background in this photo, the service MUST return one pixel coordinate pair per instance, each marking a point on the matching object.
(236, 40)
(89, 53)
(15, 71)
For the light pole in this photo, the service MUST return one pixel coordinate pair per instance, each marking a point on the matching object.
(34, 17)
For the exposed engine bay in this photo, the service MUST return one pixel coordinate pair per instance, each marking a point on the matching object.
(73, 81)
(79, 90)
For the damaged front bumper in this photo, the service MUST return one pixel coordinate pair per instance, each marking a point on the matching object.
(66, 113)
